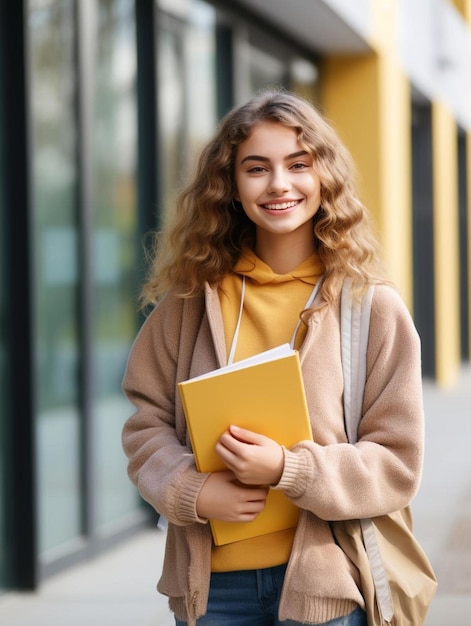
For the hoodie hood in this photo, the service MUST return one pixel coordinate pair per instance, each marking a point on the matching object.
(255, 269)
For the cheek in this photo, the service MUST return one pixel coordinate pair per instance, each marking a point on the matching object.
(316, 189)
(247, 189)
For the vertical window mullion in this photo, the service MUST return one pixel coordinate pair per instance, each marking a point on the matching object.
(21, 488)
(147, 103)
(224, 68)
(85, 54)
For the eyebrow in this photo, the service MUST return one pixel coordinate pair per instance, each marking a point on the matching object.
(256, 157)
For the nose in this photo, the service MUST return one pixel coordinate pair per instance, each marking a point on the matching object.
(279, 181)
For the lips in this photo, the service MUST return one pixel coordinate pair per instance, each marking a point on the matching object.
(280, 206)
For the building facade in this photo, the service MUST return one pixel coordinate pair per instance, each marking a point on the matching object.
(103, 106)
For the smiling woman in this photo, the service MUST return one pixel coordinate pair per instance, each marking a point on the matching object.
(262, 241)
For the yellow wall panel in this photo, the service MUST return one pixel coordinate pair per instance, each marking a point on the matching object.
(367, 99)
(446, 243)
(396, 177)
(349, 93)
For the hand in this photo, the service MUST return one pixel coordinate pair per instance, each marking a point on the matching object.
(223, 498)
(254, 459)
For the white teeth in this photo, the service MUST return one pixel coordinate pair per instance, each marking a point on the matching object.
(280, 206)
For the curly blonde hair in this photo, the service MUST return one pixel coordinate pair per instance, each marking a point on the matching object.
(207, 234)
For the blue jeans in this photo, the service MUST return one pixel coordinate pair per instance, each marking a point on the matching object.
(251, 598)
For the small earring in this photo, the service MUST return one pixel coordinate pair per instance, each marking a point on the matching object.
(237, 209)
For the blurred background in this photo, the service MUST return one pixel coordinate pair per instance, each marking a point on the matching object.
(103, 106)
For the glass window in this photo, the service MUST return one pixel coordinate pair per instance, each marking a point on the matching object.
(172, 127)
(187, 90)
(56, 295)
(262, 62)
(201, 64)
(304, 79)
(115, 250)
(264, 68)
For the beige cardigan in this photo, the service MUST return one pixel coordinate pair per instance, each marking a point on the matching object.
(328, 479)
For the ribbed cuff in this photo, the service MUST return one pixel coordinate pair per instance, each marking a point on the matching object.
(295, 473)
(312, 610)
(187, 496)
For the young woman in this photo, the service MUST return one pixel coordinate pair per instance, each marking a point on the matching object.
(271, 215)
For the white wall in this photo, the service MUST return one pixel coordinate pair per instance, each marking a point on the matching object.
(434, 45)
(357, 14)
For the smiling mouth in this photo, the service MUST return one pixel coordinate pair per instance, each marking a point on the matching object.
(280, 206)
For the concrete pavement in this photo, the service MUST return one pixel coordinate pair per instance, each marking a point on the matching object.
(442, 508)
(118, 588)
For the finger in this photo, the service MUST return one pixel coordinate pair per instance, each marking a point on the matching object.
(229, 448)
(246, 436)
(226, 454)
(252, 507)
(248, 516)
(228, 441)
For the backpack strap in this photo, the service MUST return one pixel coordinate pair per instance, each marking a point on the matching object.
(354, 328)
(354, 331)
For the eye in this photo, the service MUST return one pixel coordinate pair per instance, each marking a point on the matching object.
(299, 166)
(256, 169)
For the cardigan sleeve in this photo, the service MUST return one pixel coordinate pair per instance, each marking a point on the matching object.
(381, 472)
(160, 463)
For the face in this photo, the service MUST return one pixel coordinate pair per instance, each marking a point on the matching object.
(276, 182)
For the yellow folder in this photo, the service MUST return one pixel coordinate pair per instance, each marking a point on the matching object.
(264, 394)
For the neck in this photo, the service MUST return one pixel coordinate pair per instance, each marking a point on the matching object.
(283, 254)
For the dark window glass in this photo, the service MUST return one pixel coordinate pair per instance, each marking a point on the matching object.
(187, 90)
(56, 266)
(115, 248)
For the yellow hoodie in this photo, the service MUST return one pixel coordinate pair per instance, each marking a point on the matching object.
(272, 305)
